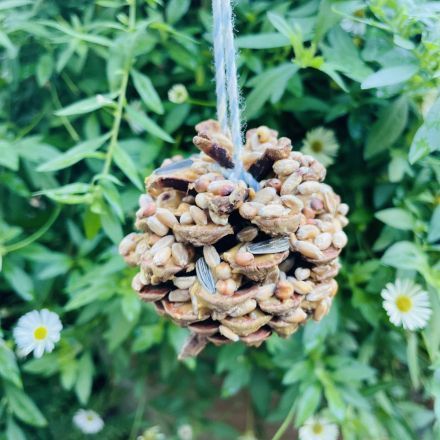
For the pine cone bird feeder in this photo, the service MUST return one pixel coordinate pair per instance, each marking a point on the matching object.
(230, 262)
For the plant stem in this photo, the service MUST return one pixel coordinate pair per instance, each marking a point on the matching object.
(116, 122)
(69, 127)
(285, 425)
(33, 237)
(122, 98)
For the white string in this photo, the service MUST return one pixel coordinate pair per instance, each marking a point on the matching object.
(219, 58)
(228, 104)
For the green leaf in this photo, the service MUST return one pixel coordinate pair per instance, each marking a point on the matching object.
(23, 407)
(427, 138)
(404, 255)
(281, 25)
(325, 20)
(390, 124)
(413, 362)
(434, 226)
(127, 166)
(74, 155)
(131, 306)
(308, 403)
(8, 155)
(272, 82)
(87, 296)
(111, 224)
(236, 379)
(389, 76)
(396, 217)
(44, 69)
(87, 105)
(8, 365)
(176, 9)
(268, 40)
(13, 431)
(71, 193)
(147, 92)
(147, 336)
(84, 381)
(147, 124)
(19, 280)
(9, 4)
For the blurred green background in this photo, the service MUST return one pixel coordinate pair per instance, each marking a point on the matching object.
(89, 107)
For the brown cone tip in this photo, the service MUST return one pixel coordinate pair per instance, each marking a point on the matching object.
(271, 254)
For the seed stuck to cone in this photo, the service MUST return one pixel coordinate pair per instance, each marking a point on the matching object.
(233, 263)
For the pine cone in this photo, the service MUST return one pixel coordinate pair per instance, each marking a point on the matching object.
(231, 263)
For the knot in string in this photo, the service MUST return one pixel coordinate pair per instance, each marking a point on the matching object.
(228, 105)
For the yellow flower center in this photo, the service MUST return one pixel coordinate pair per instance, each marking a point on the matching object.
(40, 333)
(90, 417)
(360, 13)
(317, 146)
(317, 428)
(404, 303)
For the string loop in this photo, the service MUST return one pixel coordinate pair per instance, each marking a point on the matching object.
(228, 102)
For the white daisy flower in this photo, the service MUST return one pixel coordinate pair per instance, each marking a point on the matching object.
(37, 331)
(321, 144)
(406, 304)
(88, 421)
(178, 94)
(185, 432)
(355, 27)
(153, 433)
(318, 428)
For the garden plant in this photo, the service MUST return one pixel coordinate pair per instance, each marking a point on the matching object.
(97, 94)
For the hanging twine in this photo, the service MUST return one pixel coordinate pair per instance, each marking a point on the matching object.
(228, 104)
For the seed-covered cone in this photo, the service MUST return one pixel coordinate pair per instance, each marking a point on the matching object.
(227, 261)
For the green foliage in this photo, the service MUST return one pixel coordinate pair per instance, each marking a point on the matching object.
(85, 116)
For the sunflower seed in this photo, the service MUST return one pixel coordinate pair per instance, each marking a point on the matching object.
(302, 273)
(309, 187)
(307, 231)
(221, 220)
(164, 242)
(157, 226)
(271, 246)
(292, 202)
(179, 295)
(290, 184)
(265, 195)
(186, 218)
(228, 333)
(243, 309)
(204, 275)
(308, 249)
(202, 200)
(321, 310)
(223, 271)
(272, 211)
(174, 166)
(339, 239)
(166, 217)
(162, 256)
(284, 167)
(319, 292)
(247, 234)
(184, 282)
(211, 256)
(244, 258)
(180, 254)
(226, 287)
(198, 215)
(323, 241)
(343, 209)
